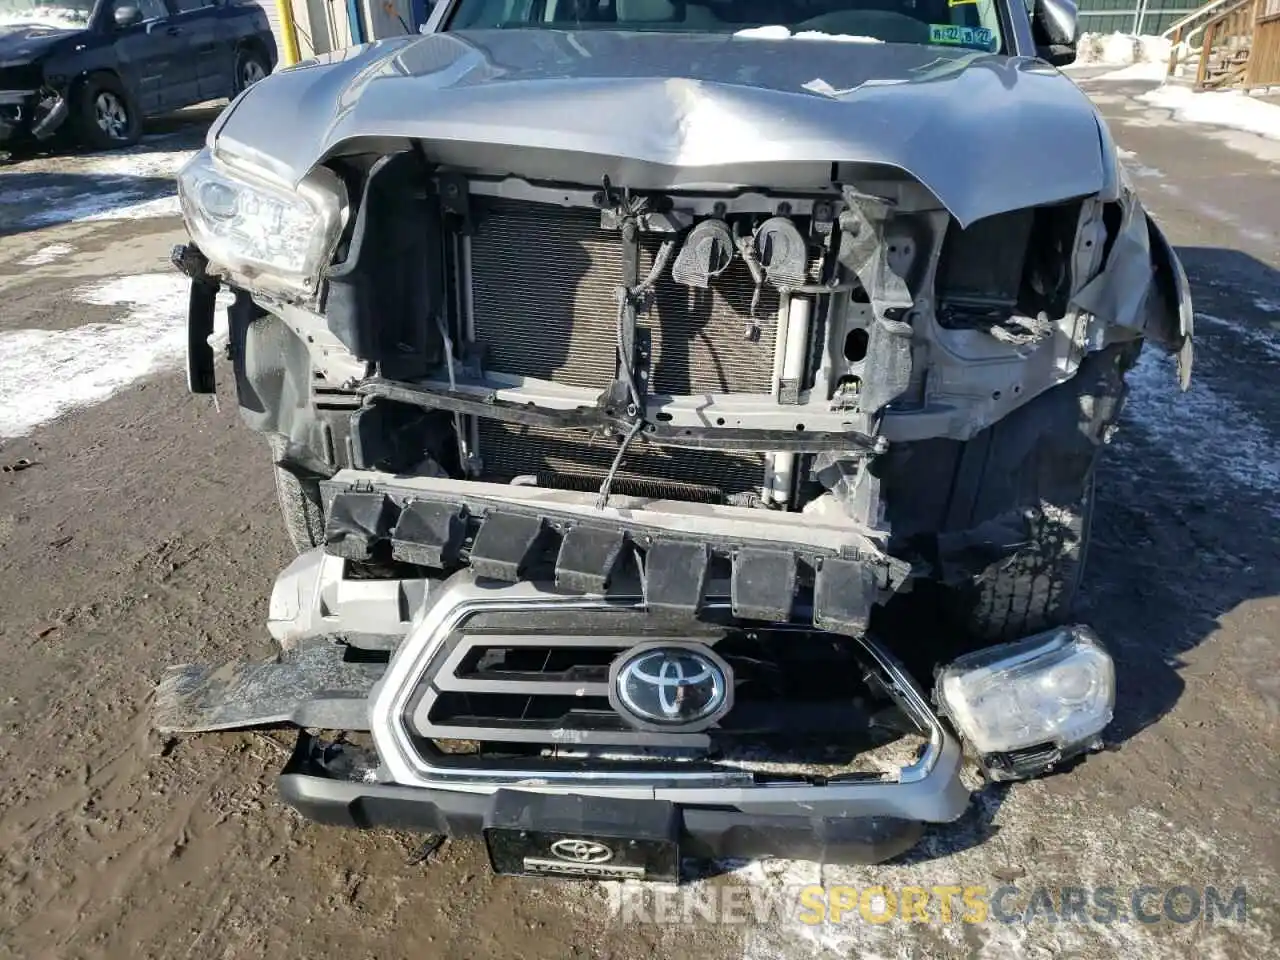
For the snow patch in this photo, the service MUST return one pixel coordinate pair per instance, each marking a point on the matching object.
(110, 205)
(778, 32)
(837, 37)
(1136, 168)
(49, 254)
(141, 163)
(1269, 306)
(1237, 452)
(117, 187)
(47, 373)
(1233, 109)
(1153, 72)
(1044, 840)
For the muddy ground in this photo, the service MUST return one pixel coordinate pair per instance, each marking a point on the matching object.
(146, 532)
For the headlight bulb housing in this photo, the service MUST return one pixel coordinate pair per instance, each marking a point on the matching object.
(249, 223)
(1050, 695)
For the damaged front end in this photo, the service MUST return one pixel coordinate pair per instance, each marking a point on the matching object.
(29, 109)
(617, 459)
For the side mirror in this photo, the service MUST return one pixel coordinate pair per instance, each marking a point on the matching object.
(1055, 25)
(127, 15)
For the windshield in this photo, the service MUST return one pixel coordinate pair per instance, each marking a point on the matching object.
(53, 13)
(958, 23)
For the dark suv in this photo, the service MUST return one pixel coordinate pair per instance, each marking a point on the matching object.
(100, 66)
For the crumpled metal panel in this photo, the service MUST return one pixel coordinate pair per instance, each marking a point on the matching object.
(311, 687)
(986, 133)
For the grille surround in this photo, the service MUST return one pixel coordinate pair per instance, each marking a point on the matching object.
(465, 595)
(565, 702)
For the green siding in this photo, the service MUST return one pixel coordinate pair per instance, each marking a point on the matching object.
(1110, 16)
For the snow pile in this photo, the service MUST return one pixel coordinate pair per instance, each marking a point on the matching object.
(131, 185)
(1121, 50)
(1231, 108)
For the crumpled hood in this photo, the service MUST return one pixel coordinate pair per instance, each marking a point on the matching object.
(985, 133)
(22, 43)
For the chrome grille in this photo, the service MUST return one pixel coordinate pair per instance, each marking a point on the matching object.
(498, 689)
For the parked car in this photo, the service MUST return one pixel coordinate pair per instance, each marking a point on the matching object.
(100, 67)
(686, 413)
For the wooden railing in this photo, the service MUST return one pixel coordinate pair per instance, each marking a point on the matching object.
(1239, 44)
(1264, 58)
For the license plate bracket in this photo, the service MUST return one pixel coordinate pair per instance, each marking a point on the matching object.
(583, 837)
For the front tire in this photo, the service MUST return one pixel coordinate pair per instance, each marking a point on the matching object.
(1036, 587)
(301, 509)
(106, 117)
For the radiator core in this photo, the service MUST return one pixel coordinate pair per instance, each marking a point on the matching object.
(543, 281)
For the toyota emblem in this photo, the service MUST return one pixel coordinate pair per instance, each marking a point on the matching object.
(671, 686)
(581, 851)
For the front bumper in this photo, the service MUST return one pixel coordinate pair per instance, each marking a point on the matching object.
(528, 552)
(30, 113)
(854, 823)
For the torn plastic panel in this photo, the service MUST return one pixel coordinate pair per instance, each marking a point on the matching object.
(1142, 285)
(392, 274)
(864, 251)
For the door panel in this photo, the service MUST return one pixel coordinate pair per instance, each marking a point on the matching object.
(209, 45)
(152, 52)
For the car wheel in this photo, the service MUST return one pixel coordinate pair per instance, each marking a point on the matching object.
(106, 116)
(251, 66)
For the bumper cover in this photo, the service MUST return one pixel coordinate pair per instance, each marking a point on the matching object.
(853, 823)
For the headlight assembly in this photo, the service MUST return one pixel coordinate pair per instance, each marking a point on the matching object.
(252, 225)
(1055, 688)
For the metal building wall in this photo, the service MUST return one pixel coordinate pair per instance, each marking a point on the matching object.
(1132, 16)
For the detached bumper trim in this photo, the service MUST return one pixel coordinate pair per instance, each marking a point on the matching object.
(828, 826)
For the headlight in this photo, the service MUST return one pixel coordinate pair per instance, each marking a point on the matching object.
(255, 226)
(1054, 688)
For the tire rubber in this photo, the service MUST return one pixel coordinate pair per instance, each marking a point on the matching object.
(1035, 588)
(246, 55)
(301, 508)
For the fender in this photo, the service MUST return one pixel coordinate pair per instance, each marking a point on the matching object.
(1174, 326)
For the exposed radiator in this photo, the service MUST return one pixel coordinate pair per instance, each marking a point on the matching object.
(543, 281)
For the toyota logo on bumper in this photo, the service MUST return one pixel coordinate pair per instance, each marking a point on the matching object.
(669, 686)
(581, 851)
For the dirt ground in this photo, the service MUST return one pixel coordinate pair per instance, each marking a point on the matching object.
(146, 533)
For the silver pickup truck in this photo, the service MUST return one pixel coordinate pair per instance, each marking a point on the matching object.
(686, 412)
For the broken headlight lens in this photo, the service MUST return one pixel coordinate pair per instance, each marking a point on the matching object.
(252, 224)
(1056, 687)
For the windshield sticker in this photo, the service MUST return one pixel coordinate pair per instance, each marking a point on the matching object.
(953, 35)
